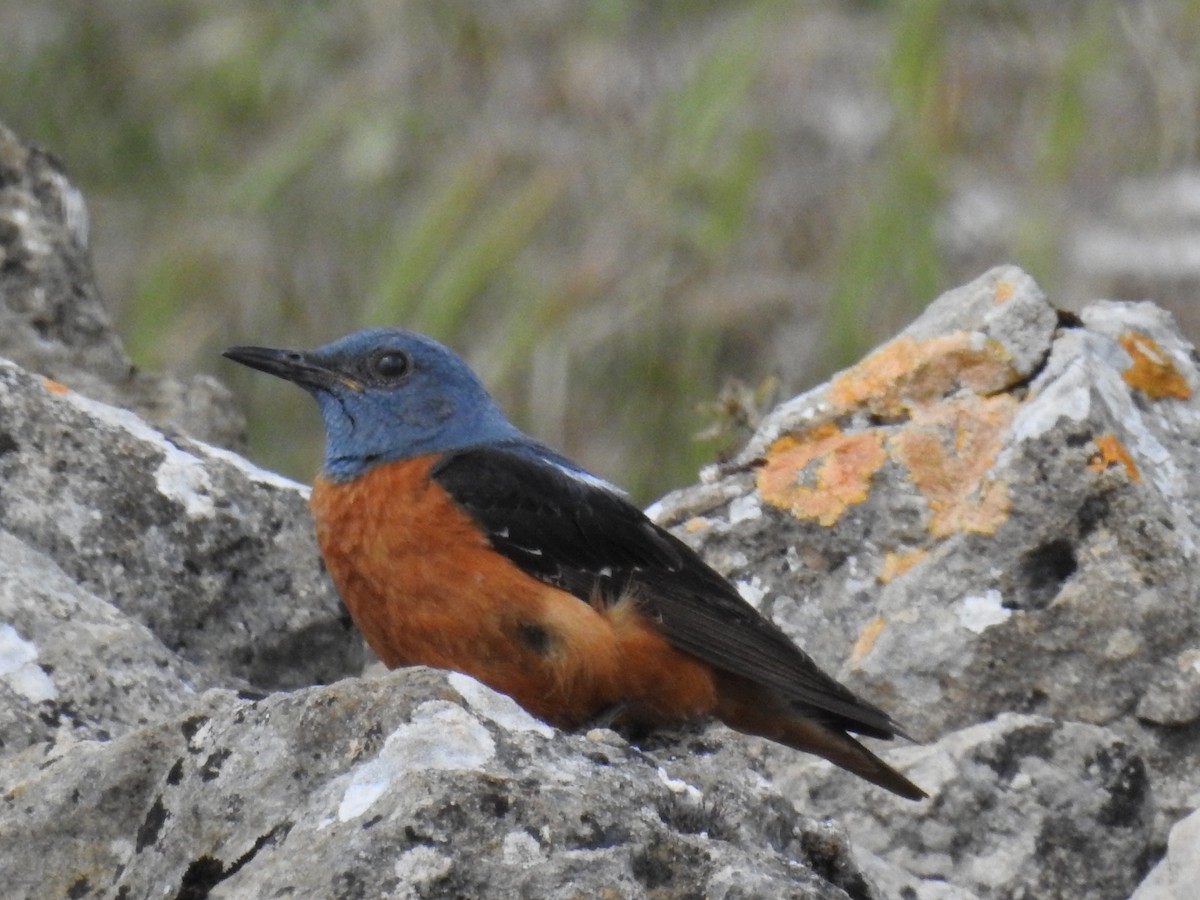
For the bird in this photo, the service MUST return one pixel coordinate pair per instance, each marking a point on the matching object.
(458, 542)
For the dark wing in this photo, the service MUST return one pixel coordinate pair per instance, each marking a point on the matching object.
(570, 530)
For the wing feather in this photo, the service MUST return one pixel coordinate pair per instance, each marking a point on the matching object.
(576, 533)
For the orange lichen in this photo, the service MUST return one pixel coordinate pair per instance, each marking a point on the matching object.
(1111, 452)
(896, 564)
(694, 524)
(1152, 372)
(948, 449)
(908, 372)
(54, 387)
(818, 474)
(947, 409)
(866, 639)
(1003, 292)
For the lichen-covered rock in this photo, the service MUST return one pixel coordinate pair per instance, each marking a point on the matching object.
(1055, 803)
(73, 667)
(992, 513)
(420, 784)
(988, 526)
(52, 319)
(215, 557)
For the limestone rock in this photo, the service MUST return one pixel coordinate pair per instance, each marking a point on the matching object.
(73, 667)
(418, 784)
(52, 319)
(990, 514)
(1176, 877)
(1053, 803)
(216, 557)
(988, 526)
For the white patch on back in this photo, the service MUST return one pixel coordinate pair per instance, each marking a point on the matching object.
(586, 477)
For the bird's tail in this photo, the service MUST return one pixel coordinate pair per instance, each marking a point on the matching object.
(842, 750)
(755, 712)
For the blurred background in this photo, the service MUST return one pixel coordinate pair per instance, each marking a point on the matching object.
(640, 222)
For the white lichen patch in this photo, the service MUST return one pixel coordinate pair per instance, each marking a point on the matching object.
(1005, 864)
(120, 418)
(253, 472)
(979, 612)
(368, 783)
(441, 735)
(679, 786)
(19, 668)
(1041, 413)
(1122, 644)
(500, 708)
(654, 511)
(521, 850)
(181, 475)
(419, 867)
(183, 478)
(731, 561)
(32, 232)
(744, 509)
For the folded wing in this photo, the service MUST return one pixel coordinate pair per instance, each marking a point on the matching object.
(576, 532)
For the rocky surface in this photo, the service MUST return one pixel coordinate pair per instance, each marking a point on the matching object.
(215, 557)
(52, 318)
(1178, 874)
(994, 513)
(989, 526)
(415, 784)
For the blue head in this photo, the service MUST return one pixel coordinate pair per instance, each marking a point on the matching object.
(387, 394)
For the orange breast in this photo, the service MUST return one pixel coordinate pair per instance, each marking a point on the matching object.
(425, 587)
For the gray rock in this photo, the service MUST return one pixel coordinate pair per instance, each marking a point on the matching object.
(1176, 877)
(1172, 697)
(73, 667)
(988, 526)
(52, 319)
(1025, 806)
(215, 557)
(418, 784)
(980, 519)
(138, 570)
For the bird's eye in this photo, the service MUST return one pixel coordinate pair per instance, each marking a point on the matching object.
(392, 365)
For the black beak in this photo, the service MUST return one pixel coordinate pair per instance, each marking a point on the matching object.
(295, 366)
